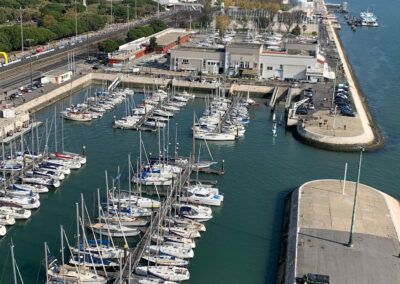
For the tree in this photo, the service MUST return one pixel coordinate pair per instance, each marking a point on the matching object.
(108, 45)
(158, 25)
(3, 16)
(5, 44)
(48, 21)
(178, 41)
(120, 41)
(296, 30)
(153, 44)
(26, 17)
(263, 22)
(138, 32)
(304, 28)
(297, 16)
(222, 23)
(288, 20)
(95, 22)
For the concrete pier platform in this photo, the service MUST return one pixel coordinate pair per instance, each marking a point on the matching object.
(318, 231)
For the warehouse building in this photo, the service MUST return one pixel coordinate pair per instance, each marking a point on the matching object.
(130, 51)
(298, 59)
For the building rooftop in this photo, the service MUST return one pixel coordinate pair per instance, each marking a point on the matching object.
(245, 45)
(168, 38)
(195, 48)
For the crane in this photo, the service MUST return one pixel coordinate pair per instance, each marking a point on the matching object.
(296, 105)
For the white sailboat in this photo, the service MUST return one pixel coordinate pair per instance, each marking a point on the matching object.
(17, 213)
(172, 250)
(170, 273)
(113, 230)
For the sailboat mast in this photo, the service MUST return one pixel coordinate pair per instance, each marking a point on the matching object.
(55, 128)
(62, 135)
(13, 262)
(194, 133)
(62, 245)
(37, 140)
(46, 260)
(77, 229)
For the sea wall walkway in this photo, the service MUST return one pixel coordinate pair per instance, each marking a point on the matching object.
(320, 221)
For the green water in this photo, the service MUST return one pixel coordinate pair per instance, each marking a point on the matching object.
(241, 243)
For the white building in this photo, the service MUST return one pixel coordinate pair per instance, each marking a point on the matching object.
(56, 76)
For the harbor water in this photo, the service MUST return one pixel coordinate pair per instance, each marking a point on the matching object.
(242, 240)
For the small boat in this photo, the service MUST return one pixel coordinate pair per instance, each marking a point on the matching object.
(77, 116)
(30, 188)
(97, 248)
(181, 232)
(182, 222)
(45, 181)
(19, 201)
(3, 231)
(113, 230)
(202, 196)
(172, 250)
(6, 219)
(67, 274)
(169, 273)
(70, 156)
(90, 260)
(213, 136)
(124, 219)
(165, 260)
(189, 212)
(169, 239)
(17, 213)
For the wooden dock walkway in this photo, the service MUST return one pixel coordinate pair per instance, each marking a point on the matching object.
(136, 253)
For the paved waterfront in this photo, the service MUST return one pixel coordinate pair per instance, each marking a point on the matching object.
(340, 130)
(324, 220)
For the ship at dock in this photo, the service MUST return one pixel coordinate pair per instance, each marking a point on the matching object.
(368, 19)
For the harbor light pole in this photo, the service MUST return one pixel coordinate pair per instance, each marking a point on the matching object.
(334, 84)
(29, 40)
(350, 243)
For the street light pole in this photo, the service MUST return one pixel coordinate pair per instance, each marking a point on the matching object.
(29, 40)
(334, 83)
(22, 31)
(350, 243)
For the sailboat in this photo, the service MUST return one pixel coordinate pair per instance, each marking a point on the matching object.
(171, 250)
(17, 213)
(3, 231)
(170, 273)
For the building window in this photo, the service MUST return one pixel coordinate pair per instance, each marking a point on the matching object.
(255, 65)
(269, 67)
(281, 67)
(185, 61)
(247, 65)
(241, 64)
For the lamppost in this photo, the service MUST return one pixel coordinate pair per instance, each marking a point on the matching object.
(350, 243)
(29, 40)
(334, 84)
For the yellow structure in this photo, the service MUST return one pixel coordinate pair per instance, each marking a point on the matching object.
(5, 56)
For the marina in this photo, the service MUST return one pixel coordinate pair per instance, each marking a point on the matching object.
(243, 238)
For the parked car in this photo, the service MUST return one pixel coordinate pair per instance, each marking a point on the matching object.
(347, 113)
(302, 110)
(39, 50)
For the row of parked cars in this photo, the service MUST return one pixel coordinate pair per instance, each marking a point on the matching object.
(342, 100)
(27, 89)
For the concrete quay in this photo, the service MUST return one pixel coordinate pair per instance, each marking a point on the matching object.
(342, 133)
(316, 231)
